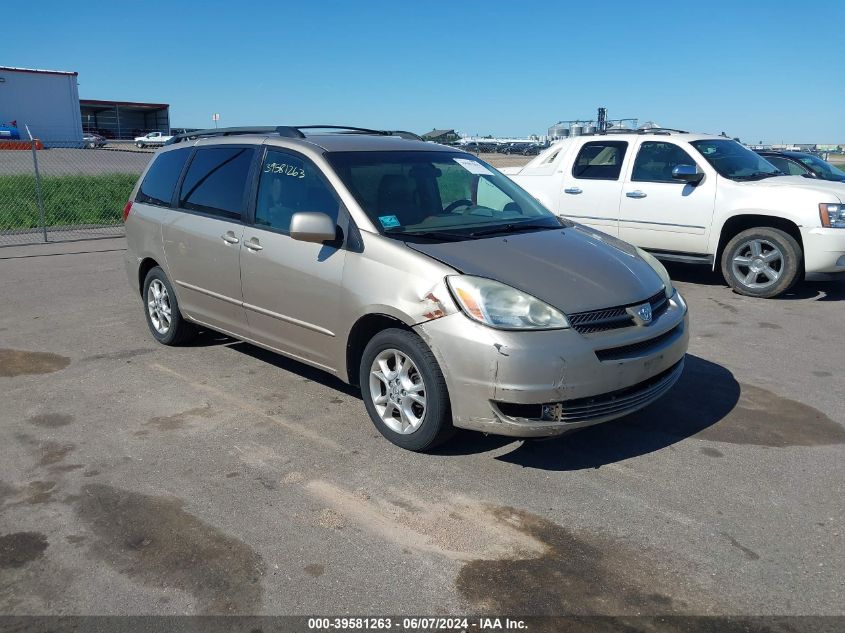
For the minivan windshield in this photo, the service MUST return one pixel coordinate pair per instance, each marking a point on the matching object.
(735, 161)
(438, 195)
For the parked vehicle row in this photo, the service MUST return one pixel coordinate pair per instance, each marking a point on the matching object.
(415, 271)
(697, 198)
(491, 147)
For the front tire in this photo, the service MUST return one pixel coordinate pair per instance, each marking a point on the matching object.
(164, 319)
(404, 391)
(762, 262)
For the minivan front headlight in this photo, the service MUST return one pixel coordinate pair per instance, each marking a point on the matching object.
(660, 269)
(502, 307)
(832, 215)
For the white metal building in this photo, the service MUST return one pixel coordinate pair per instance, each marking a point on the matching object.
(45, 100)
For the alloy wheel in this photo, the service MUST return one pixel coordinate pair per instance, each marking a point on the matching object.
(398, 391)
(757, 263)
(158, 306)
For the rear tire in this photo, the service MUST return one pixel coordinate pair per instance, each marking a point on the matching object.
(161, 308)
(762, 262)
(404, 391)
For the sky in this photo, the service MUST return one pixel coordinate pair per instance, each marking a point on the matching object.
(763, 71)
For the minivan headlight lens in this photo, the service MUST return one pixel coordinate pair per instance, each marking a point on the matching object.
(832, 215)
(660, 269)
(500, 306)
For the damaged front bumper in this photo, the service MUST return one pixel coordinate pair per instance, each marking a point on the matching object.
(543, 383)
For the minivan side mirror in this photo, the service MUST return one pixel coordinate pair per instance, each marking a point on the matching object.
(688, 174)
(309, 226)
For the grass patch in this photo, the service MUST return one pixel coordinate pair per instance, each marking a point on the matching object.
(68, 200)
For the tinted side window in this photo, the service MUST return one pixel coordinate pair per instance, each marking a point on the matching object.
(216, 180)
(289, 184)
(162, 176)
(600, 160)
(787, 166)
(656, 160)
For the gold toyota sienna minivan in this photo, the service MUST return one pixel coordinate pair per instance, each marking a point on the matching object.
(415, 271)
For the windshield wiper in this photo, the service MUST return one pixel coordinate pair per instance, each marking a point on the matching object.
(759, 175)
(511, 227)
(432, 235)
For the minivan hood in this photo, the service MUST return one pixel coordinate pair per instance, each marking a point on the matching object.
(573, 269)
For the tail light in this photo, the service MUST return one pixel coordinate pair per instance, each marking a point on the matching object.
(127, 209)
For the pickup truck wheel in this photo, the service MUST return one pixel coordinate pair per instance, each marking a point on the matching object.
(166, 322)
(762, 262)
(139, 145)
(404, 391)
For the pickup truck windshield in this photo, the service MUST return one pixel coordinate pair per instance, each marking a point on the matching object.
(438, 195)
(735, 161)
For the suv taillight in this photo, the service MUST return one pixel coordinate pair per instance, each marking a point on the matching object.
(127, 209)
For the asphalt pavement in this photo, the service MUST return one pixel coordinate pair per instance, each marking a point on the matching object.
(220, 478)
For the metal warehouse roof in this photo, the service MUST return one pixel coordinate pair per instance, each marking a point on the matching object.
(93, 103)
(39, 71)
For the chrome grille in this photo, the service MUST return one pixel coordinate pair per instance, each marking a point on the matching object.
(614, 318)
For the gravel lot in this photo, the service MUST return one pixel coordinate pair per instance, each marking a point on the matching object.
(60, 161)
(220, 478)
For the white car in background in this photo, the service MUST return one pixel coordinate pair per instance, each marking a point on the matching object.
(696, 198)
(152, 139)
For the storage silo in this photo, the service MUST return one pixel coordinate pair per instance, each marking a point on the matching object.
(558, 130)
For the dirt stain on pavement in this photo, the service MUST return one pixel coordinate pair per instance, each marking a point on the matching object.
(155, 542)
(769, 326)
(762, 418)
(122, 355)
(711, 452)
(52, 452)
(574, 574)
(315, 570)
(39, 492)
(51, 420)
(821, 374)
(14, 362)
(178, 420)
(20, 548)
(750, 554)
(725, 306)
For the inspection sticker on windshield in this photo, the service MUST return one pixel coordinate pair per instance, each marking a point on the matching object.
(388, 221)
(472, 167)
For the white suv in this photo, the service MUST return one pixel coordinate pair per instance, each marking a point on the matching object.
(696, 198)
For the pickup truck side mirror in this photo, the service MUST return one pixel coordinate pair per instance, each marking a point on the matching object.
(688, 174)
(308, 226)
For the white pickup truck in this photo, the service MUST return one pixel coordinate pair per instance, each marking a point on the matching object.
(696, 198)
(152, 139)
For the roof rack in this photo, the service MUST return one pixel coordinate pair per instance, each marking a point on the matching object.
(288, 131)
(651, 130)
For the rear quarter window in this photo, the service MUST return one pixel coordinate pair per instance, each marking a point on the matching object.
(600, 160)
(217, 180)
(162, 176)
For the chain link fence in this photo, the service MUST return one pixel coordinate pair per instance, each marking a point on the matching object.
(62, 190)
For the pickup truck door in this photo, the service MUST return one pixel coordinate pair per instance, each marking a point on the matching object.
(591, 187)
(659, 212)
